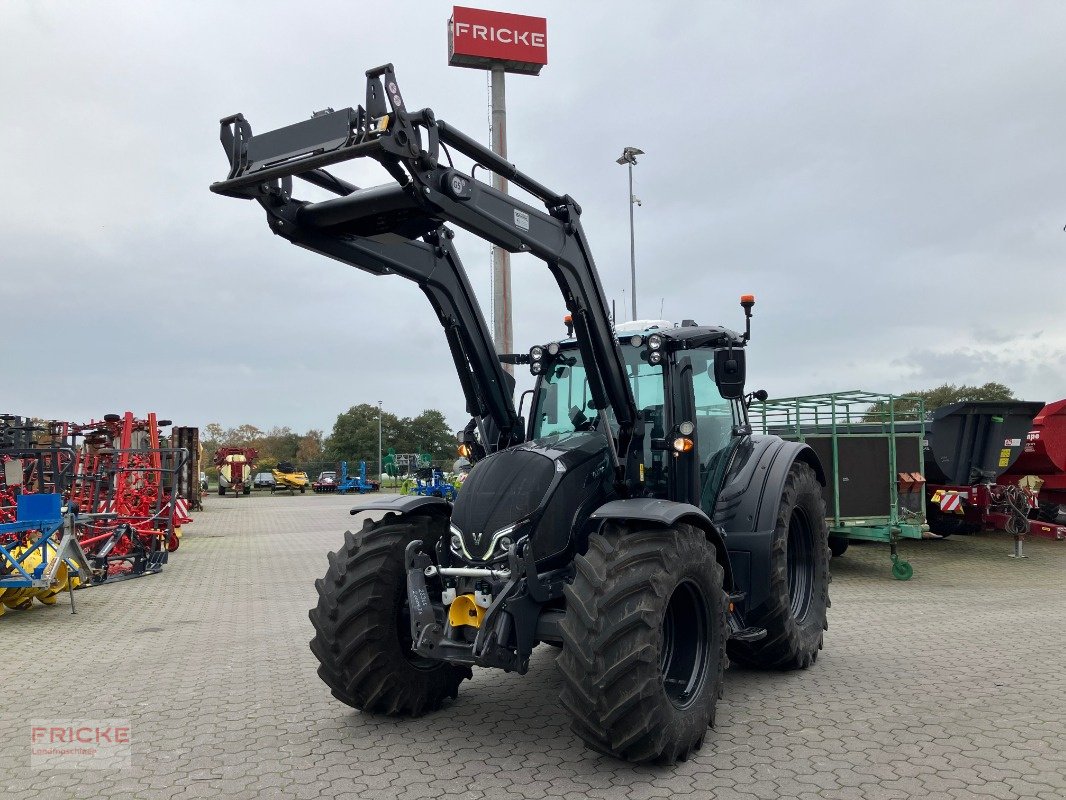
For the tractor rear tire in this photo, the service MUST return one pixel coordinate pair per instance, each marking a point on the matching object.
(362, 630)
(794, 611)
(644, 642)
(838, 545)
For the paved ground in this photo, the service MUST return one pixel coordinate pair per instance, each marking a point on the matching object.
(952, 685)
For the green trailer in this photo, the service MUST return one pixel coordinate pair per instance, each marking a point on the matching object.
(871, 446)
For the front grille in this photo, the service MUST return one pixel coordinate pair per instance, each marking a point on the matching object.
(499, 490)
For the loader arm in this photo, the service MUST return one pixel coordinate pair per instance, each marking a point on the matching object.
(398, 228)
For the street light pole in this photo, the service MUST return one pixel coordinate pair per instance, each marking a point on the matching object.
(629, 158)
(379, 440)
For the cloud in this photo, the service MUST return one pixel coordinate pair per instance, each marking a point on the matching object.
(888, 181)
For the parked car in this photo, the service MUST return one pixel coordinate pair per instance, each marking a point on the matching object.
(326, 482)
(264, 480)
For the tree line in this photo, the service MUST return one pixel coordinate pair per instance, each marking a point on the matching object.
(354, 438)
(940, 396)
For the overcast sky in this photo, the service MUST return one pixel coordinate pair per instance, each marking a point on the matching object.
(888, 179)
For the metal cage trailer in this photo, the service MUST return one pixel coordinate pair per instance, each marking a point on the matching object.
(872, 444)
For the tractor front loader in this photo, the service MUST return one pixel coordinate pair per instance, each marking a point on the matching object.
(634, 522)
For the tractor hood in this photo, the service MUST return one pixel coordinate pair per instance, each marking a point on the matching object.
(528, 490)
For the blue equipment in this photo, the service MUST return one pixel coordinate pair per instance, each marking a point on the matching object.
(36, 568)
(360, 483)
(436, 486)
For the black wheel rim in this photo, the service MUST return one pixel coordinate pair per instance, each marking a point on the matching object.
(799, 556)
(685, 645)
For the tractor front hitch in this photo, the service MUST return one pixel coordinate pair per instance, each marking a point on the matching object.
(431, 632)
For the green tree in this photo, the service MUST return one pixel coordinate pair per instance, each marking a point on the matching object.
(310, 449)
(429, 433)
(355, 434)
(940, 396)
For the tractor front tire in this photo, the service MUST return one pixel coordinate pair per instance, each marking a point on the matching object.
(644, 642)
(794, 611)
(362, 629)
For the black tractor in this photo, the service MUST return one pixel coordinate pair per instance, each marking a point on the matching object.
(634, 522)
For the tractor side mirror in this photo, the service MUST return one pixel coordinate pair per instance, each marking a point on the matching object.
(729, 373)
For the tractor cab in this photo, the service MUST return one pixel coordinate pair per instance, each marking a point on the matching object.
(689, 420)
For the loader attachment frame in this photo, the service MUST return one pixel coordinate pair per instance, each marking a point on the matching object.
(399, 228)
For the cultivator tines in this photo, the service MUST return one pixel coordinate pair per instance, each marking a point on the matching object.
(125, 486)
(115, 484)
(135, 509)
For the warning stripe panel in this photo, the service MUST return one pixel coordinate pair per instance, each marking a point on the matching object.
(950, 502)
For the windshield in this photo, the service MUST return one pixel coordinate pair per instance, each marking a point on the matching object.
(562, 405)
(563, 402)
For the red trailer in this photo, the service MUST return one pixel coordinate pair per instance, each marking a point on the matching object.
(1043, 456)
(971, 448)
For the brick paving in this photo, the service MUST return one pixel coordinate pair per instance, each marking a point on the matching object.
(952, 685)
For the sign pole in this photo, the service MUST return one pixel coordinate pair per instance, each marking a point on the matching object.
(500, 42)
(501, 259)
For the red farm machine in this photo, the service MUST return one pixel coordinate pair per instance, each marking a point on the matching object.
(235, 467)
(979, 461)
(125, 484)
(114, 484)
(1041, 466)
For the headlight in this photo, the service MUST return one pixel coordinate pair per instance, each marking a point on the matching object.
(655, 357)
(636, 340)
(655, 341)
(553, 348)
(536, 353)
(536, 368)
(457, 539)
(505, 543)
(505, 530)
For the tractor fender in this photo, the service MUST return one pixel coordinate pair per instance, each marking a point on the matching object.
(408, 504)
(748, 502)
(668, 513)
